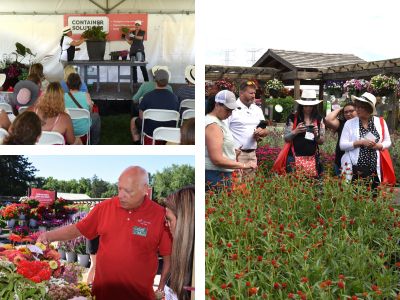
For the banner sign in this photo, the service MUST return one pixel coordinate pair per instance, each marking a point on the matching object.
(43, 196)
(110, 23)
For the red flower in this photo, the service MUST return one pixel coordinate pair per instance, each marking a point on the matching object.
(253, 291)
(304, 279)
(277, 285)
(340, 284)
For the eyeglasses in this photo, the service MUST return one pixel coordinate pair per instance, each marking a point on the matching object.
(250, 82)
(350, 111)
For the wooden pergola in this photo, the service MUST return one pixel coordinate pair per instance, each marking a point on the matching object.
(306, 68)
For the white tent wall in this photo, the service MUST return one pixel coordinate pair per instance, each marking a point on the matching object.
(170, 42)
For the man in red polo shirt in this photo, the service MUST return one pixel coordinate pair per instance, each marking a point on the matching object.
(132, 233)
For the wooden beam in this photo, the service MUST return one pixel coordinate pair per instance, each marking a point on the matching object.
(361, 73)
(296, 89)
(301, 75)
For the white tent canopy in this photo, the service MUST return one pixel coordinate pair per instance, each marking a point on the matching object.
(38, 26)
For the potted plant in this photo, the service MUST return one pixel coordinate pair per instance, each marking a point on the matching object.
(10, 213)
(124, 54)
(95, 42)
(80, 250)
(274, 87)
(114, 55)
(124, 31)
(70, 250)
(383, 85)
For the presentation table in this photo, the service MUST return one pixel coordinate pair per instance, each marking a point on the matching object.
(97, 63)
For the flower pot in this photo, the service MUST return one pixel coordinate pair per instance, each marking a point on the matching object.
(42, 228)
(62, 254)
(124, 57)
(71, 256)
(11, 223)
(83, 260)
(114, 56)
(96, 49)
(32, 223)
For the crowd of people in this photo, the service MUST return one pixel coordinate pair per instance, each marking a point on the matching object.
(132, 231)
(51, 101)
(234, 126)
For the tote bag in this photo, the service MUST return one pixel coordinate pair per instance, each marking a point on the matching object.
(387, 171)
(280, 163)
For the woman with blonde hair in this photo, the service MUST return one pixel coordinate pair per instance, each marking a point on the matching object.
(51, 110)
(180, 219)
(68, 70)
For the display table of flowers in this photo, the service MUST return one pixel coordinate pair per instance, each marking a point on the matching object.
(37, 271)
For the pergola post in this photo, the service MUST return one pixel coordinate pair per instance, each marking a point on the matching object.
(297, 89)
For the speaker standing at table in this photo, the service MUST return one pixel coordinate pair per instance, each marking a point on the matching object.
(135, 39)
(68, 45)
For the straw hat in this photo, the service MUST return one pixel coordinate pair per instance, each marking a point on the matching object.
(190, 74)
(368, 98)
(308, 97)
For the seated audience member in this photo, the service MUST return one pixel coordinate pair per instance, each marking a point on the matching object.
(51, 110)
(26, 92)
(3, 78)
(69, 69)
(160, 98)
(4, 120)
(37, 69)
(149, 86)
(187, 91)
(188, 132)
(76, 99)
(25, 130)
(180, 220)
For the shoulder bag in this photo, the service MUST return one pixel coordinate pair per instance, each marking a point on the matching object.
(387, 171)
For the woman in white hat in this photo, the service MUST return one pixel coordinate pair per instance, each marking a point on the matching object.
(220, 160)
(307, 133)
(68, 45)
(362, 141)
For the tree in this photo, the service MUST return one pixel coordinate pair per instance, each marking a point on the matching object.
(99, 187)
(16, 175)
(172, 179)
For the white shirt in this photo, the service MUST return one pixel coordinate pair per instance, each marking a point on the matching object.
(242, 124)
(65, 45)
(351, 133)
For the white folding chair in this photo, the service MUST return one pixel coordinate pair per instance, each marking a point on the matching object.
(51, 138)
(22, 109)
(160, 115)
(3, 135)
(168, 134)
(80, 113)
(6, 107)
(188, 114)
(187, 103)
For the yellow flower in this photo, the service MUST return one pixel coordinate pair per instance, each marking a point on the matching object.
(41, 246)
(53, 264)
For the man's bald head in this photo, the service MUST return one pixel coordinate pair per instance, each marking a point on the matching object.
(132, 187)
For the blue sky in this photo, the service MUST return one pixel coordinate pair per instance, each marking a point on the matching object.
(365, 28)
(106, 167)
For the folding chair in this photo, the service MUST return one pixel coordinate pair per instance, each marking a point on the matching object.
(78, 114)
(6, 107)
(22, 109)
(168, 134)
(187, 114)
(160, 115)
(51, 138)
(3, 135)
(187, 103)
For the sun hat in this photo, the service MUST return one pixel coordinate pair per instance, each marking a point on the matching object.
(155, 68)
(161, 74)
(66, 29)
(2, 79)
(190, 74)
(138, 22)
(368, 98)
(25, 93)
(308, 97)
(226, 98)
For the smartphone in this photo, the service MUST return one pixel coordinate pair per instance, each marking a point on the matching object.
(310, 128)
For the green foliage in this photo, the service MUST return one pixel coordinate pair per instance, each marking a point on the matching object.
(95, 33)
(287, 104)
(16, 175)
(172, 179)
(22, 51)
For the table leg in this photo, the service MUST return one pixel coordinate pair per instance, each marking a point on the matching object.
(131, 79)
(98, 78)
(119, 90)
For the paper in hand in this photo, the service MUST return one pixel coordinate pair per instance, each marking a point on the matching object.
(369, 136)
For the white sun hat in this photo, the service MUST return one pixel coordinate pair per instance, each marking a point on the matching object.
(308, 97)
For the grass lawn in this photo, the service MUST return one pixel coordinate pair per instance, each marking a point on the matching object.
(115, 130)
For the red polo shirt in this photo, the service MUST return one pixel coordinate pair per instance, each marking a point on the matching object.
(130, 241)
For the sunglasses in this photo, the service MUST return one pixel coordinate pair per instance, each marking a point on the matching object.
(250, 82)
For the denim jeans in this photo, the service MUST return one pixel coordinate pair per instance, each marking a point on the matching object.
(213, 177)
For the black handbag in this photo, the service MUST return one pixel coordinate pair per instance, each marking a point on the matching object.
(361, 171)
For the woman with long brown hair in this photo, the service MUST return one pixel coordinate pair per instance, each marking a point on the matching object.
(51, 110)
(180, 219)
